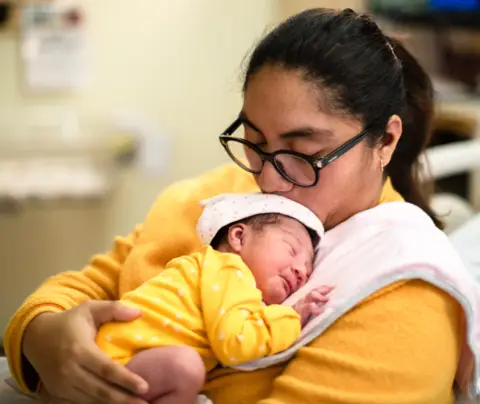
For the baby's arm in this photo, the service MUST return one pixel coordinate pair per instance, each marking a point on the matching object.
(239, 326)
(158, 299)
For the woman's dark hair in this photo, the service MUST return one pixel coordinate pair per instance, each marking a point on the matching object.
(363, 73)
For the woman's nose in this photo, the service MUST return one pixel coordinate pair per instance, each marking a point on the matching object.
(270, 181)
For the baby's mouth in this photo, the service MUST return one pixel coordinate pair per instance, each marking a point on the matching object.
(288, 286)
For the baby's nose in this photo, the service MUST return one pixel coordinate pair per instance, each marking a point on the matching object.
(301, 275)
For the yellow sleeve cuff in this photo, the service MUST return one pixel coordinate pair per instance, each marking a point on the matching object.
(21, 370)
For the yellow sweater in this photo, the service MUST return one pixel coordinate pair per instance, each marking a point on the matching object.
(208, 301)
(400, 346)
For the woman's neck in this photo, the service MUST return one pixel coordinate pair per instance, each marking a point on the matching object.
(385, 194)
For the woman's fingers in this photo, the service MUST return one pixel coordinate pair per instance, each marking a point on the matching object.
(101, 366)
(80, 397)
(44, 395)
(105, 311)
(87, 398)
(62, 349)
(96, 390)
(104, 375)
(46, 398)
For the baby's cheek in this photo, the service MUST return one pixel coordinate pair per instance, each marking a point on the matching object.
(275, 293)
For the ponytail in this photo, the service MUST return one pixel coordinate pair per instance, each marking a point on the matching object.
(417, 117)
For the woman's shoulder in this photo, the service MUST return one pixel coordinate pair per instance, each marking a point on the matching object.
(177, 209)
(409, 333)
(228, 178)
(412, 307)
(425, 320)
(403, 293)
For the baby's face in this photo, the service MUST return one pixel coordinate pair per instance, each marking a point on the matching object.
(280, 257)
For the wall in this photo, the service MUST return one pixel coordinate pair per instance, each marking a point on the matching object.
(178, 63)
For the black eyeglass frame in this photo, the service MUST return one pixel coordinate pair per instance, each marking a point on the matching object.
(314, 160)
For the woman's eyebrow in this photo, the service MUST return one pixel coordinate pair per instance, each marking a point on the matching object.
(308, 132)
(243, 118)
(302, 132)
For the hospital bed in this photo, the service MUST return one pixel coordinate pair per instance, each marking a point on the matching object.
(462, 222)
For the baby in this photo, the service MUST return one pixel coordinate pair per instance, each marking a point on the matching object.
(220, 305)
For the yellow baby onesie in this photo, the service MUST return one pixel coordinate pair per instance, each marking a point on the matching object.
(208, 301)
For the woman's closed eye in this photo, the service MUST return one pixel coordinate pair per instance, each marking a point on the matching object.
(261, 145)
(257, 141)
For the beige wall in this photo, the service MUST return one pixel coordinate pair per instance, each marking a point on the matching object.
(177, 62)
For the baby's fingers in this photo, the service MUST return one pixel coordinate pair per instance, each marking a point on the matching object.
(317, 311)
(324, 290)
(314, 310)
(317, 297)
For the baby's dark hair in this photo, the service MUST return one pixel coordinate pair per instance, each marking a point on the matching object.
(258, 223)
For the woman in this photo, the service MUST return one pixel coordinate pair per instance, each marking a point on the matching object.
(323, 81)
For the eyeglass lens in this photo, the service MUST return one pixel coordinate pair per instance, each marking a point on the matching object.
(294, 168)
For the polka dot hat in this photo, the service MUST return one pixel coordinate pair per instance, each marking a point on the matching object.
(226, 209)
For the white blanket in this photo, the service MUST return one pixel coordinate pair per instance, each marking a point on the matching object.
(378, 247)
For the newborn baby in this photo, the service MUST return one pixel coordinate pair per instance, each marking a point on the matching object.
(220, 305)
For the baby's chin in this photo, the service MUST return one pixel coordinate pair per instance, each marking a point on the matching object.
(274, 297)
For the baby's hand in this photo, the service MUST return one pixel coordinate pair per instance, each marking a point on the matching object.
(312, 304)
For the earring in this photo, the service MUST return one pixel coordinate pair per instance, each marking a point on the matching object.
(382, 166)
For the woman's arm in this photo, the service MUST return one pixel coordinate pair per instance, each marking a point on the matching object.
(97, 281)
(400, 346)
(171, 222)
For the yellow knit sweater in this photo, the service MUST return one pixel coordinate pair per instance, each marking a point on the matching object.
(399, 346)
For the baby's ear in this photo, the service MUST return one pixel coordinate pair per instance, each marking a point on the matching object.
(236, 237)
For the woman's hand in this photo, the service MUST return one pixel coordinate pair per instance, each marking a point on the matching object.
(312, 304)
(62, 349)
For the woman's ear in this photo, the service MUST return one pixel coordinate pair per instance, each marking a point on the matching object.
(236, 237)
(392, 136)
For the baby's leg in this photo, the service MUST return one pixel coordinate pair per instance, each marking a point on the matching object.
(175, 374)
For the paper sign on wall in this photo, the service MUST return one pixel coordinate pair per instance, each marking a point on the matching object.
(53, 46)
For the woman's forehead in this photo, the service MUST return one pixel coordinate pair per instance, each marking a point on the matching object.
(280, 91)
(279, 102)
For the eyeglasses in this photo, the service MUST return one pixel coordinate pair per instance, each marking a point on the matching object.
(300, 169)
